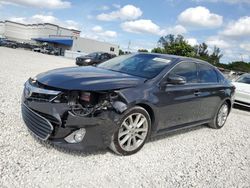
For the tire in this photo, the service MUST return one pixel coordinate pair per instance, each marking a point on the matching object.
(130, 138)
(220, 117)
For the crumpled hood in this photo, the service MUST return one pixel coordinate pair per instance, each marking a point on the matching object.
(87, 78)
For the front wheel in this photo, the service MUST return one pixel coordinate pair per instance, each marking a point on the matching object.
(221, 117)
(134, 129)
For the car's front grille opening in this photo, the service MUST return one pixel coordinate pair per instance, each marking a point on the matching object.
(41, 97)
(37, 124)
(51, 118)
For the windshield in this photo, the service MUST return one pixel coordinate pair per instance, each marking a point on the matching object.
(244, 79)
(141, 65)
(94, 55)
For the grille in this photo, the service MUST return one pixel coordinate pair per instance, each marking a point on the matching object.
(37, 124)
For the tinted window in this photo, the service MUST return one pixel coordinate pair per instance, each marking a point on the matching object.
(187, 70)
(142, 65)
(104, 56)
(244, 79)
(221, 78)
(207, 74)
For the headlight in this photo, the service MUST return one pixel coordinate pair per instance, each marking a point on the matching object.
(33, 79)
(87, 60)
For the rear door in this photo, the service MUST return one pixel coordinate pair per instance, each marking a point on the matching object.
(211, 91)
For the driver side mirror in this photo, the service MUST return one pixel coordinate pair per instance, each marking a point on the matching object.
(174, 80)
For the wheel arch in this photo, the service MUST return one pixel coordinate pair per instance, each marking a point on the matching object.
(229, 102)
(151, 113)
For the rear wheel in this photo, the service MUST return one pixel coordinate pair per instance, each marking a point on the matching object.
(134, 129)
(221, 117)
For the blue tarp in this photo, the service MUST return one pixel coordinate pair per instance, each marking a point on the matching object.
(64, 41)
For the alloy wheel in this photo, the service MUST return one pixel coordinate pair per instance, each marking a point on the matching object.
(133, 132)
(222, 115)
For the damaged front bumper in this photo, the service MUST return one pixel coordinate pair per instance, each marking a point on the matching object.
(56, 123)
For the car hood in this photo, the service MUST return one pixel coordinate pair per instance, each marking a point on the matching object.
(87, 78)
(86, 57)
(242, 87)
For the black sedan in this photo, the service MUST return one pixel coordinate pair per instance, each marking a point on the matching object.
(124, 101)
(8, 43)
(93, 58)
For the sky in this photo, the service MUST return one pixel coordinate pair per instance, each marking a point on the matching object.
(139, 24)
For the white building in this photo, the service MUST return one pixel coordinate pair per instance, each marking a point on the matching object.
(54, 35)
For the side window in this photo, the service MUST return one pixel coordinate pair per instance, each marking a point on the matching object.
(207, 74)
(104, 56)
(187, 70)
(221, 78)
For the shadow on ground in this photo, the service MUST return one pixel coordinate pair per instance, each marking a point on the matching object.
(50, 145)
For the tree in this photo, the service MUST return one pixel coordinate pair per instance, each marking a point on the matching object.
(215, 56)
(201, 50)
(158, 50)
(121, 52)
(142, 50)
(177, 45)
(174, 45)
(166, 41)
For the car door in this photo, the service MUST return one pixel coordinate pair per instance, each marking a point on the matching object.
(179, 103)
(211, 91)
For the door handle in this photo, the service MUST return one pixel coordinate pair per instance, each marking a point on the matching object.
(197, 93)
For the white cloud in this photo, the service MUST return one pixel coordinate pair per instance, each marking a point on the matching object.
(192, 41)
(97, 28)
(18, 19)
(148, 26)
(245, 46)
(41, 18)
(200, 17)
(178, 29)
(101, 32)
(128, 12)
(141, 26)
(48, 4)
(217, 41)
(239, 28)
(71, 24)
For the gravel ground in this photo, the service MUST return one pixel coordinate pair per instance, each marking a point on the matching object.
(198, 157)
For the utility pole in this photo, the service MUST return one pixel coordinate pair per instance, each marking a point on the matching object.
(129, 43)
(241, 57)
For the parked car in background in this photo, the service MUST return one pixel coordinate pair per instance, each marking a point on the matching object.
(124, 101)
(2, 41)
(26, 45)
(9, 43)
(93, 58)
(47, 50)
(242, 94)
(37, 49)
